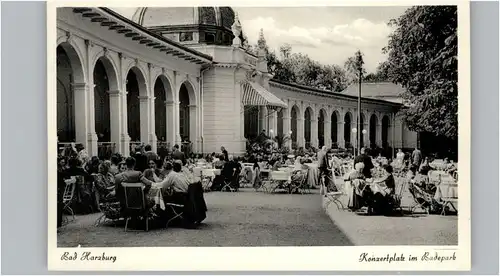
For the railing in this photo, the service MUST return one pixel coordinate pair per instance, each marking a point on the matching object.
(163, 149)
(105, 150)
(64, 148)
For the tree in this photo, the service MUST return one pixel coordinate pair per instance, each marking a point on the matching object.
(381, 75)
(422, 58)
(355, 67)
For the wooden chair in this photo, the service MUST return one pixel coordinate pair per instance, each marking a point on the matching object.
(135, 203)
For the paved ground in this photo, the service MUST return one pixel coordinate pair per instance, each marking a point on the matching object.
(416, 229)
(249, 218)
(245, 218)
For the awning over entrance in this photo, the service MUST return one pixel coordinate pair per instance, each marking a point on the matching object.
(255, 94)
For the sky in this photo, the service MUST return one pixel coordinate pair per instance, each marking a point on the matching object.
(329, 35)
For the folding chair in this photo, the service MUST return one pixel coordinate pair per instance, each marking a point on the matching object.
(449, 200)
(334, 196)
(69, 196)
(227, 182)
(111, 211)
(207, 176)
(398, 195)
(135, 203)
(177, 210)
(277, 179)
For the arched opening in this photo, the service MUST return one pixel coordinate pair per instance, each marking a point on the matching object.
(136, 87)
(307, 126)
(385, 132)
(321, 128)
(251, 117)
(280, 122)
(293, 124)
(347, 129)
(184, 121)
(334, 130)
(163, 96)
(105, 81)
(373, 131)
(101, 103)
(65, 97)
(187, 116)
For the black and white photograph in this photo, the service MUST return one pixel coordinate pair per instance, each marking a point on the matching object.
(200, 126)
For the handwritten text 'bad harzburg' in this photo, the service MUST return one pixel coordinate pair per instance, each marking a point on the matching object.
(87, 256)
(426, 257)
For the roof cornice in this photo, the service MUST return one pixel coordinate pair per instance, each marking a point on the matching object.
(114, 21)
(326, 93)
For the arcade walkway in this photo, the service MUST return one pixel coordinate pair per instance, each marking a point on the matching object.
(245, 218)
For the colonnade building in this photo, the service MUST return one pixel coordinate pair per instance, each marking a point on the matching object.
(169, 75)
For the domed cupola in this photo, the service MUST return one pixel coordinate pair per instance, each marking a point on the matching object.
(189, 25)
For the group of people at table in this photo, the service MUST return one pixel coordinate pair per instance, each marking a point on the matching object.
(174, 175)
(102, 181)
(378, 194)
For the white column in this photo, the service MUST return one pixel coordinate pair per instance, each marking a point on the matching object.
(81, 93)
(314, 131)
(124, 137)
(368, 131)
(193, 127)
(170, 114)
(178, 138)
(115, 109)
(300, 131)
(378, 138)
(273, 121)
(287, 126)
(242, 125)
(152, 123)
(144, 117)
(327, 129)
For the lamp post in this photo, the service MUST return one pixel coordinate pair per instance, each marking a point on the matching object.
(355, 130)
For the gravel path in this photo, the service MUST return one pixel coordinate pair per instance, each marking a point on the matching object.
(245, 218)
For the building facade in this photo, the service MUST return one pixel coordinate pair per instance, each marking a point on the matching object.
(171, 75)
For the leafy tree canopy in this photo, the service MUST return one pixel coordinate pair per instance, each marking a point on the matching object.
(422, 57)
(301, 69)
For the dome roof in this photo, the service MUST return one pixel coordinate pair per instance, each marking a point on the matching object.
(168, 16)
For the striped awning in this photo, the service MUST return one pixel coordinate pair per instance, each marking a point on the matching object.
(255, 94)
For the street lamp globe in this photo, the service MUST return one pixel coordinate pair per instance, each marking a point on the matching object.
(364, 131)
(290, 132)
(271, 131)
(354, 130)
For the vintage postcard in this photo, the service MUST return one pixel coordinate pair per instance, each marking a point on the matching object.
(263, 136)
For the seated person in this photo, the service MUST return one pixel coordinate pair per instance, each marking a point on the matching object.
(175, 185)
(356, 189)
(231, 171)
(131, 176)
(153, 173)
(105, 182)
(384, 198)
